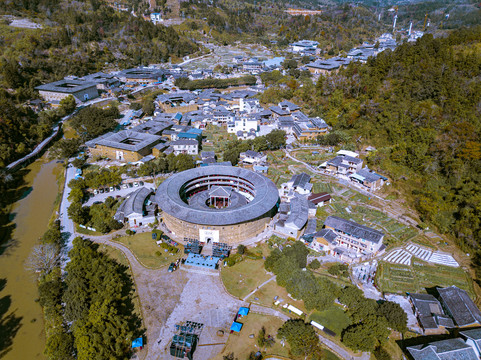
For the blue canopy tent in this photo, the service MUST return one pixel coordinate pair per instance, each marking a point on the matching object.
(243, 311)
(236, 326)
(139, 342)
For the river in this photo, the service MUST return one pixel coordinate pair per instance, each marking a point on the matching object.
(21, 324)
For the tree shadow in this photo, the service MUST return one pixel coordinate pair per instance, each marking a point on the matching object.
(9, 323)
(12, 190)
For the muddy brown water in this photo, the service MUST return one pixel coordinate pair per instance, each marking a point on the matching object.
(22, 320)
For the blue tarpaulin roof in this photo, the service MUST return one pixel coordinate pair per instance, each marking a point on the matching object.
(236, 326)
(139, 342)
(243, 311)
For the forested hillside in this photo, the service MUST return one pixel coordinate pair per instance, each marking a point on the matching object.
(339, 27)
(421, 107)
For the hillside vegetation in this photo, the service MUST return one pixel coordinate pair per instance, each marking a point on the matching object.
(420, 106)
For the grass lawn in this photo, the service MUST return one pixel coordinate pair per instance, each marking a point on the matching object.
(114, 253)
(267, 293)
(145, 248)
(241, 345)
(333, 318)
(329, 355)
(396, 278)
(244, 277)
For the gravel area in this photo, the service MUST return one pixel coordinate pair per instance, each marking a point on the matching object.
(203, 300)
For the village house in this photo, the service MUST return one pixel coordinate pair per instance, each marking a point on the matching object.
(324, 66)
(368, 178)
(430, 314)
(56, 91)
(320, 199)
(251, 157)
(310, 129)
(137, 209)
(243, 124)
(292, 217)
(182, 102)
(183, 146)
(304, 46)
(455, 349)
(347, 240)
(299, 183)
(142, 75)
(343, 165)
(126, 145)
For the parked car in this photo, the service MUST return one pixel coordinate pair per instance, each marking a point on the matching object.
(96, 192)
(172, 267)
(131, 185)
(125, 186)
(136, 184)
(141, 183)
(117, 187)
(106, 190)
(111, 188)
(101, 191)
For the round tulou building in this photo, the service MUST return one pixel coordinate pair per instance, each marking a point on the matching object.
(217, 204)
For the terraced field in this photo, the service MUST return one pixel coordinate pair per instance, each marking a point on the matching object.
(397, 278)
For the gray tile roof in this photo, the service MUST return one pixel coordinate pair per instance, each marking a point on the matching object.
(370, 176)
(207, 154)
(142, 73)
(428, 322)
(126, 140)
(474, 334)
(134, 204)
(168, 195)
(354, 229)
(459, 305)
(444, 321)
(300, 180)
(311, 226)
(329, 64)
(299, 212)
(153, 127)
(290, 106)
(327, 234)
(278, 110)
(67, 86)
(426, 304)
(450, 349)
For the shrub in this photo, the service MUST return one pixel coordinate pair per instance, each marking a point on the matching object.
(315, 264)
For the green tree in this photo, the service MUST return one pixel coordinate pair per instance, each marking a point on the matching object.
(59, 345)
(67, 105)
(314, 264)
(395, 315)
(301, 338)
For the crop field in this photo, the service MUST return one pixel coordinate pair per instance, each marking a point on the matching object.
(216, 138)
(311, 158)
(396, 278)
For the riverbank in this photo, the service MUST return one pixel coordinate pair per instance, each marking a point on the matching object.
(21, 317)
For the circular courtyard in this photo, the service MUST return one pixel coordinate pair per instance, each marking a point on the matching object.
(217, 204)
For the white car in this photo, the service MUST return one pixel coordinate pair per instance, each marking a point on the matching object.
(136, 184)
(111, 189)
(125, 186)
(96, 192)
